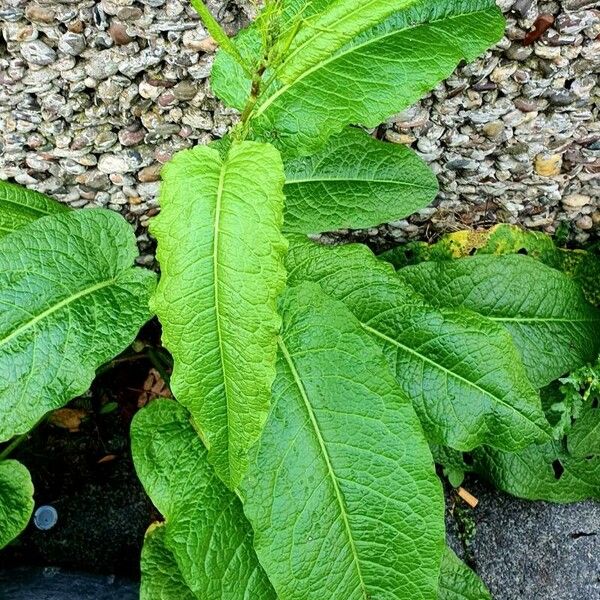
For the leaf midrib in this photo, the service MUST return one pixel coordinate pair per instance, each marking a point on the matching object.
(217, 301)
(56, 307)
(35, 209)
(284, 88)
(472, 384)
(338, 493)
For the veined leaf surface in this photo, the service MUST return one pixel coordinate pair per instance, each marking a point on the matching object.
(458, 582)
(355, 182)
(461, 372)
(546, 472)
(553, 326)
(161, 577)
(20, 206)
(204, 548)
(70, 300)
(358, 63)
(221, 253)
(16, 500)
(342, 495)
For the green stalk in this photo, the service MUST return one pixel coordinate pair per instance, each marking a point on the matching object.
(217, 32)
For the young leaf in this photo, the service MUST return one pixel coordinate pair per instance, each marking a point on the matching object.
(355, 182)
(205, 542)
(20, 206)
(461, 372)
(359, 63)
(16, 500)
(551, 323)
(221, 253)
(342, 495)
(71, 300)
(161, 577)
(458, 582)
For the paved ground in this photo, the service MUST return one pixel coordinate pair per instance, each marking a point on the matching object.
(533, 550)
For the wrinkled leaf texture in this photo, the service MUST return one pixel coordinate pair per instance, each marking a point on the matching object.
(16, 500)
(342, 495)
(71, 300)
(462, 372)
(355, 182)
(204, 547)
(553, 326)
(221, 250)
(458, 582)
(20, 206)
(355, 63)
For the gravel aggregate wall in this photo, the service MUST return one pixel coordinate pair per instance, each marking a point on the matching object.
(96, 95)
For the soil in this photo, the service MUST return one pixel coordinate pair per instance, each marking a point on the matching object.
(89, 478)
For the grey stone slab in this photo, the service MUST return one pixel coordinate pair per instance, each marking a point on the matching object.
(533, 550)
(55, 584)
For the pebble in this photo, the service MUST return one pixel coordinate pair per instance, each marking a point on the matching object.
(548, 165)
(38, 53)
(112, 163)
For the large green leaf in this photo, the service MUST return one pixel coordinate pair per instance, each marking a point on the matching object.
(355, 182)
(461, 372)
(204, 548)
(20, 206)
(16, 500)
(582, 266)
(161, 577)
(357, 63)
(221, 253)
(554, 328)
(342, 496)
(71, 300)
(458, 582)
(546, 472)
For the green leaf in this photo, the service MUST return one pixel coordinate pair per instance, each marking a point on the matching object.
(20, 206)
(584, 437)
(355, 182)
(554, 328)
(221, 253)
(546, 472)
(16, 500)
(461, 371)
(581, 266)
(205, 542)
(458, 582)
(161, 577)
(71, 300)
(342, 496)
(358, 63)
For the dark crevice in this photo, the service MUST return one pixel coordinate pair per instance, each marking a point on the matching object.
(558, 469)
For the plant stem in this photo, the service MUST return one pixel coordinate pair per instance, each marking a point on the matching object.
(13, 445)
(217, 32)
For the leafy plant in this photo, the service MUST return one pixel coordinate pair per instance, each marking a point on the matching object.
(306, 408)
(296, 460)
(71, 300)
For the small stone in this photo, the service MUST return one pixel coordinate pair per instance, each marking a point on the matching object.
(38, 53)
(576, 201)
(185, 90)
(118, 32)
(71, 43)
(548, 165)
(150, 174)
(493, 129)
(585, 222)
(39, 14)
(131, 137)
(112, 163)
